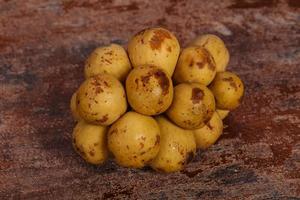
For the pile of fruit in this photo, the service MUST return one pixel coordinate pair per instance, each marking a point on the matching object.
(155, 105)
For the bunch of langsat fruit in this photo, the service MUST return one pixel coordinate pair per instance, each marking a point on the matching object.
(164, 124)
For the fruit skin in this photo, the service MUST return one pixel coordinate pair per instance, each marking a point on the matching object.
(193, 105)
(154, 46)
(228, 90)
(149, 90)
(73, 107)
(89, 141)
(177, 147)
(222, 113)
(101, 100)
(216, 47)
(209, 134)
(195, 64)
(111, 59)
(134, 140)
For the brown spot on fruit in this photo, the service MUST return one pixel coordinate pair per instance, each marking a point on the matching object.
(157, 141)
(103, 119)
(197, 95)
(157, 39)
(105, 83)
(191, 63)
(160, 102)
(163, 81)
(231, 82)
(109, 53)
(143, 138)
(95, 144)
(92, 153)
(108, 61)
(200, 65)
(209, 60)
(169, 49)
(145, 79)
(127, 147)
(98, 90)
(142, 145)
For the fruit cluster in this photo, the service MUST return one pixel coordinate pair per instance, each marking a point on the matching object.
(163, 125)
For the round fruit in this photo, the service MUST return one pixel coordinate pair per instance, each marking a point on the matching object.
(149, 90)
(134, 140)
(209, 134)
(110, 59)
(101, 99)
(228, 90)
(193, 105)
(154, 46)
(89, 141)
(177, 147)
(216, 48)
(195, 64)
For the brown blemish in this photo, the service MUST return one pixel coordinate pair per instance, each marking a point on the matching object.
(109, 53)
(142, 145)
(137, 83)
(157, 39)
(127, 147)
(92, 153)
(200, 65)
(89, 105)
(163, 81)
(231, 82)
(142, 41)
(143, 138)
(95, 144)
(98, 90)
(209, 60)
(169, 49)
(103, 119)
(160, 102)
(108, 61)
(105, 83)
(197, 95)
(191, 63)
(157, 141)
(145, 79)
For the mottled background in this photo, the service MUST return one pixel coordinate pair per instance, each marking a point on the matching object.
(43, 45)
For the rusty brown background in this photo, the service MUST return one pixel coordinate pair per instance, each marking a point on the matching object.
(43, 45)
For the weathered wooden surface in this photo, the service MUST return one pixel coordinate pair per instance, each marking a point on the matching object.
(43, 45)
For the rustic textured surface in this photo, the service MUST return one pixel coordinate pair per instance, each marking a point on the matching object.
(43, 45)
